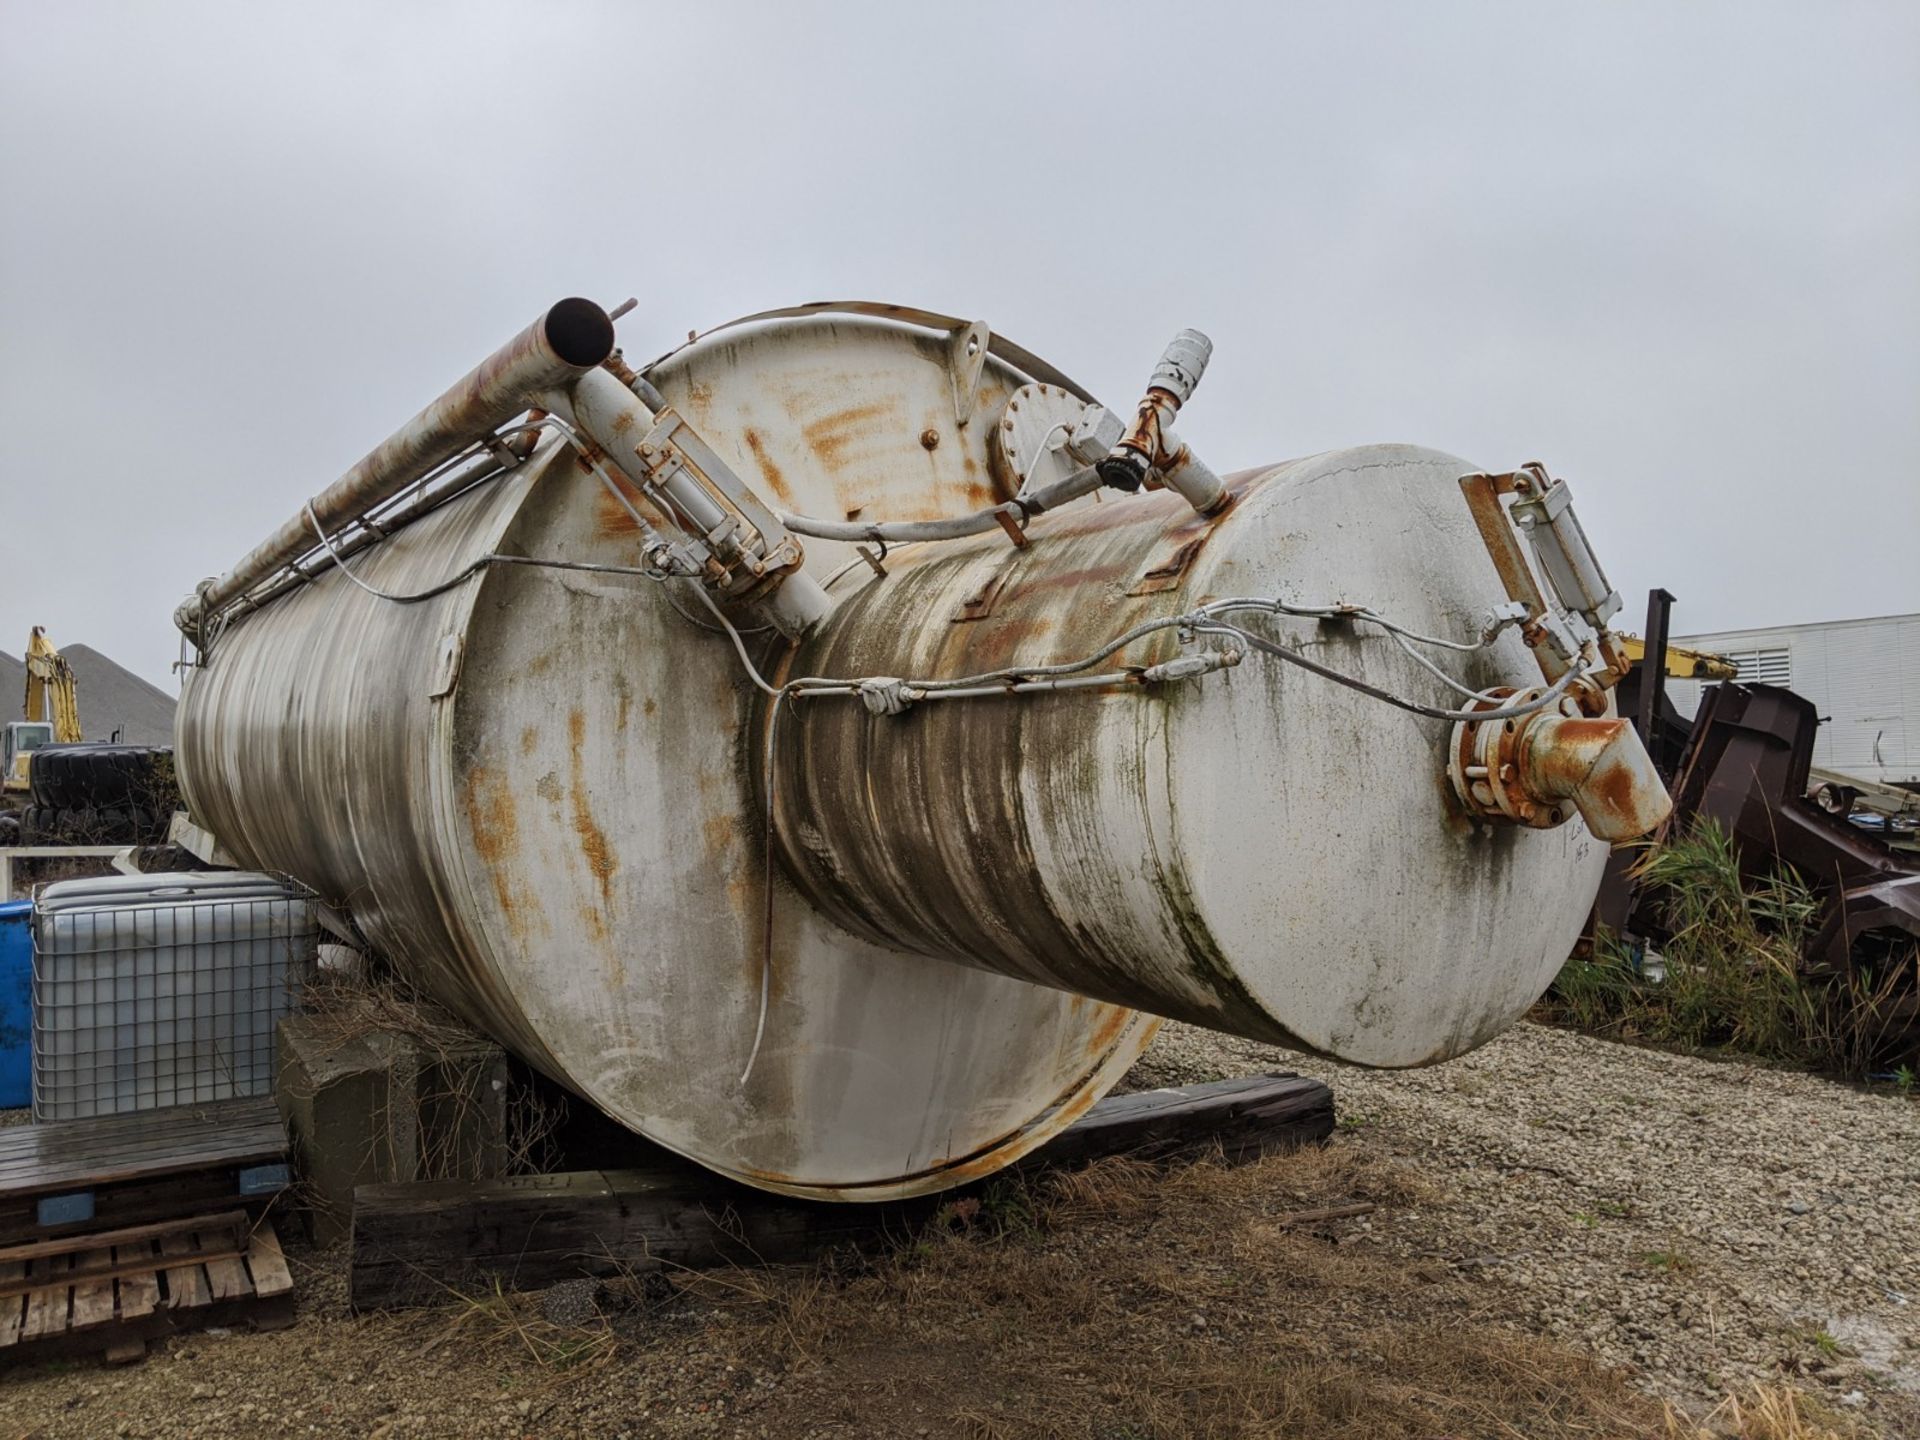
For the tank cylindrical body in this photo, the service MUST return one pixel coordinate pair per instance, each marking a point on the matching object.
(1258, 851)
(543, 793)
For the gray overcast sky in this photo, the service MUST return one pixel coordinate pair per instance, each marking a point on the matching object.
(1673, 250)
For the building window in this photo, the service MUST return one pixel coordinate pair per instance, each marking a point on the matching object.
(1764, 667)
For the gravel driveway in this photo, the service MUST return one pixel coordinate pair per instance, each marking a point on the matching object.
(1704, 1221)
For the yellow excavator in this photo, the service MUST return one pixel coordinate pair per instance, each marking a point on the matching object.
(1683, 664)
(52, 710)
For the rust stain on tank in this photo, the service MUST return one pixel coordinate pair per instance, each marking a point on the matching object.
(596, 926)
(1039, 581)
(495, 825)
(529, 737)
(1076, 1107)
(1103, 1038)
(610, 518)
(490, 812)
(769, 471)
(593, 841)
(830, 436)
(626, 705)
(719, 831)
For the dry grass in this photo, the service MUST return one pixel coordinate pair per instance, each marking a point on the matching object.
(496, 1321)
(1766, 1412)
(1122, 1302)
(1133, 1302)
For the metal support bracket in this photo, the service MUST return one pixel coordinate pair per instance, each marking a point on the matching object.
(966, 359)
(1012, 527)
(979, 605)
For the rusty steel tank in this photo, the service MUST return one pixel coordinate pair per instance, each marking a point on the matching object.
(829, 748)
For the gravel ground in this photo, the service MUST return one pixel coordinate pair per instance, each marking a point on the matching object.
(1704, 1221)
(1701, 1224)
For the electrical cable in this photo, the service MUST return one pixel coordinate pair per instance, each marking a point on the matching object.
(739, 645)
(1039, 453)
(1434, 670)
(474, 568)
(693, 619)
(1207, 619)
(1345, 612)
(1265, 646)
(766, 880)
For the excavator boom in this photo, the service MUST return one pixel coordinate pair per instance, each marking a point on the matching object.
(1683, 664)
(51, 696)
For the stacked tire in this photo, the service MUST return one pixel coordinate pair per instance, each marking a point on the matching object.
(100, 795)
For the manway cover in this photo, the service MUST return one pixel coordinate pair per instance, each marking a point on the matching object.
(155, 990)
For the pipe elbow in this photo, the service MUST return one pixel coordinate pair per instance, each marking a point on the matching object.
(1601, 767)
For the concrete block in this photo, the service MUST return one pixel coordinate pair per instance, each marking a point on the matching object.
(376, 1106)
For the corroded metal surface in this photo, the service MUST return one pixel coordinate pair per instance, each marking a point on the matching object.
(1260, 852)
(538, 794)
(541, 792)
(1539, 769)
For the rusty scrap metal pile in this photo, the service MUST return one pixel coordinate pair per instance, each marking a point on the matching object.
(611, 705)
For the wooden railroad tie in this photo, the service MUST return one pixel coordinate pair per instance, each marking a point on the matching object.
(420, 1242)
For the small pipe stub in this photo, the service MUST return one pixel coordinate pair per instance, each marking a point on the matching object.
(1148, 452)
(1539, 769)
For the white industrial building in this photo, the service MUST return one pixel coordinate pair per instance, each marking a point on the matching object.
(1863, 677)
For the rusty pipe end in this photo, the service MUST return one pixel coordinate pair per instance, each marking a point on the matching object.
(1599, 765)
(578, 332)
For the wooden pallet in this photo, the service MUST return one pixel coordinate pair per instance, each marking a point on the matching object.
(71, 1177)
(113, 1291)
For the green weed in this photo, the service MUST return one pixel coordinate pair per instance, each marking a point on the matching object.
(1735, 977)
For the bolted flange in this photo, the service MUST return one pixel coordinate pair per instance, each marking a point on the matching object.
(1537, 770)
